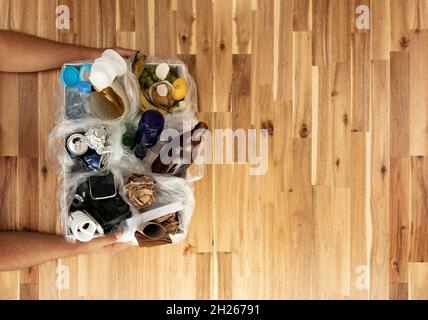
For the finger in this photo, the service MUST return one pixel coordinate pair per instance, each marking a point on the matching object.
(125, 52)
(116, 247)
(110, 239)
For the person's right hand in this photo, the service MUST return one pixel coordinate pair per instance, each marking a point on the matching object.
(106, 244)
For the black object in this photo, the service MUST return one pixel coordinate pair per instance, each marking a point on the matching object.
(102, 187)
(99, 197)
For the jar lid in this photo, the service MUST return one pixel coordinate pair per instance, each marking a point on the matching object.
(70, 76)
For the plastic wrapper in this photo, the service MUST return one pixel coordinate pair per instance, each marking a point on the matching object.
(77, 116)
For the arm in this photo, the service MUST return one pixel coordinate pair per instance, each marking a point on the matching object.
(24, 53)
(26, 249)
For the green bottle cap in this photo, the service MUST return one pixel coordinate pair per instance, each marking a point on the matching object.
(129, 141)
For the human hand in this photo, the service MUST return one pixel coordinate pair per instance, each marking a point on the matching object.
(125, 53)
(106, 244)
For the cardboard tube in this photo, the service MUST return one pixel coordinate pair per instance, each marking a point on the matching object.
(152, 230)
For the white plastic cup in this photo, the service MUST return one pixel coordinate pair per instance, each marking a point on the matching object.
(116, 61)
(102, 74)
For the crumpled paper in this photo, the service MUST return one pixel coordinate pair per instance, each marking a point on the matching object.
(140, 190)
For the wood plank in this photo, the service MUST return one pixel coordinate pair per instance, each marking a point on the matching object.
(4, 14)
(282, 147)
(379, 177)
(47, 169)
(95, 282)
(46, 19)
(28, 111)
(419, 210)
(9, 281)
(340, 31)
(125, 15)
(279, 254)
(321, 32)
(263, 43)
(358, 201)
(302, 75)
(380, 29)
(340, 102)
(165, 31)
(9, 219)
(400, 104)
(88, 15)
(9, 114)
(203, 275)
(360, 82)
(418, 281)
(29, 287)
(418, 116)
(241, 27)
(324, 158)
(283, 52)
(418, 15)
(28, 194)
(108, 23)
(186, 27)
(400, 26)
(224, 262)
(399, 291)
(241, 91)
(9, 285)
(399, 220)
(204, 54)
(145, 26)
(222, 55)
(23, 16)
(302, 15)
(201, 233)
(330, 249)
(302, 221)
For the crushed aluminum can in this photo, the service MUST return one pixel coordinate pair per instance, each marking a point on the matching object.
(97, 139)
(96, 162)
(76, 145)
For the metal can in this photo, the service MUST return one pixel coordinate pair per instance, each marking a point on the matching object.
(94, 161)
(76, 145)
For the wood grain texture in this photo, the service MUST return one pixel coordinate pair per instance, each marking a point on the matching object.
(341, 212)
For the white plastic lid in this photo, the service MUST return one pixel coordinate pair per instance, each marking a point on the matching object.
(162, 71)
(102, 74)
(162, 90)
(116, 60)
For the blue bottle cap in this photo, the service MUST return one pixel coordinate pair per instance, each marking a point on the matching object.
(85, 71)
(70, 77)
(84, 87)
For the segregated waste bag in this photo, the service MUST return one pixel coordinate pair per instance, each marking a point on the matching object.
(100, 129)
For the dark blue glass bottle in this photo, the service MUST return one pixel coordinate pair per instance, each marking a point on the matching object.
(149, 129)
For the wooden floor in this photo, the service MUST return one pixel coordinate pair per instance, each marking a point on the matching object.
(342, 212)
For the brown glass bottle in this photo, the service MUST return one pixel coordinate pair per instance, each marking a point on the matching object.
(179, 169)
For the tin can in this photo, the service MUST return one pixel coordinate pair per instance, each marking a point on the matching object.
(96, 162)
(76, 145)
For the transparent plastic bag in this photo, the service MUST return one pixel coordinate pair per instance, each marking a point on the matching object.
(77, 104)
(68, 127)
(67, 194)
(168, 191)
(182, 71)
(76, 116)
